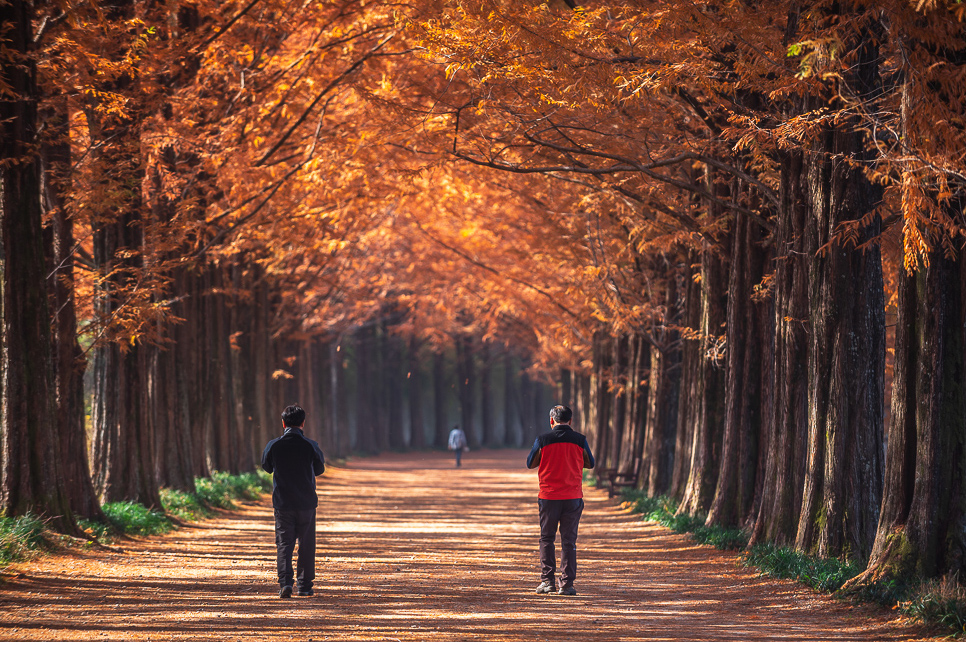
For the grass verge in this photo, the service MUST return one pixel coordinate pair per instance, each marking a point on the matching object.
(934, 603)
(21, 538)
(25, 537)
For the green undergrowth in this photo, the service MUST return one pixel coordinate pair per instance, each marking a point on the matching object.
(21, 538)
(821, 574)
(935, 603)
(662, 510)
(220, 491)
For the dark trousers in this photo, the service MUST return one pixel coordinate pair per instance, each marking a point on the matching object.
(564, 513)
(459, 453)
(292, 526)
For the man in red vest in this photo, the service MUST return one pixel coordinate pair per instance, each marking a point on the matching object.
(560, 456)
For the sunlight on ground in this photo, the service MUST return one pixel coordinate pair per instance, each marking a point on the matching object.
(415, 552)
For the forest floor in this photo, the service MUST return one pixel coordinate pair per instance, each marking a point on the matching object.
(410, 548)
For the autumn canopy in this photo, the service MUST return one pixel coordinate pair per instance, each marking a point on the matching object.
(729, 234)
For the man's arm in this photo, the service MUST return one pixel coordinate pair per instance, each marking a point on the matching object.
(318, 462)
(533, 459)
(268, 464)
(588, 455)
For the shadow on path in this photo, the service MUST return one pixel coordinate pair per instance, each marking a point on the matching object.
(411, 548)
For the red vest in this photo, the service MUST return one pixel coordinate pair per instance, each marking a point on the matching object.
(561, 471)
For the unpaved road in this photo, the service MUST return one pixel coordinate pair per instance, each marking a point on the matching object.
(410, 548)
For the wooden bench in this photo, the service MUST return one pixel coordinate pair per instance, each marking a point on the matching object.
(614, 479)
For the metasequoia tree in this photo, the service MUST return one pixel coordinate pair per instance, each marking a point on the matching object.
(920, 527)
(30, 474)
(697, 56)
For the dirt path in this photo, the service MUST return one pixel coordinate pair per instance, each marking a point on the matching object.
(411, 549)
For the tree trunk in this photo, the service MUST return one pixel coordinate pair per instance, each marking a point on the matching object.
(440, 401)
(69, 361)
(784, 473)
(664, 384)
(631, 455)
(417, 420)
(920, 532)
(708, 416)
(514, 430)
(734, 495)
(30, 473)
(688, 393)
(488, 431)
(602, 401)
(465, 386)
(843, 481)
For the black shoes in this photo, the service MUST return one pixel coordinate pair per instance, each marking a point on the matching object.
(549, 587)
(286, 592)
(306, 592)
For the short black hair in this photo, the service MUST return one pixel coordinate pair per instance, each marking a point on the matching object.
(293, 416)
(561, 414)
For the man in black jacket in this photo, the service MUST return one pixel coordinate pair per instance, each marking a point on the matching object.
(295, 462)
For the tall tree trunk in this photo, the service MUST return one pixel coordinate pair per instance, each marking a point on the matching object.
(466, 386)
(784, 474)
(417, 420)
(602, 357)
(631, 454)
(69, 361)
(30, 475)
(514, 430)
(734, 495)
(688, 393)
(920, 532)
(664, 382)
(843, 481)
(488, 431)
(440, 406)
(708, 416)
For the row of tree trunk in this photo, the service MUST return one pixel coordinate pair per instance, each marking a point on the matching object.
(765, 408)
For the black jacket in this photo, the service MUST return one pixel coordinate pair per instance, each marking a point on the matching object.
(295, 462)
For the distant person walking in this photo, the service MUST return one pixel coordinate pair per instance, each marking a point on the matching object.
(294, 461)
(560, 455)
(457, 443)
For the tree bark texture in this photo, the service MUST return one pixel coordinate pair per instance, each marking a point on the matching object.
(709, 388)
(784, 471)
(69, 360)
(843, 481)
(664, 382)
(688, 393)
(30, 476)
(920, 531)
(737, 473)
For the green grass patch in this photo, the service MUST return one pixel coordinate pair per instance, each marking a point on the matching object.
(220, 491)
(823, 574)
(21, 538)
(131, 518)
(938, 602)
(935, 603)
(663, 509)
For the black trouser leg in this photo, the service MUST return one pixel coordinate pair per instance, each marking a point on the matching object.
(564, 513)
(306, 561)
(459, 453)
(291, 527)
(284, 545)
(569, 519)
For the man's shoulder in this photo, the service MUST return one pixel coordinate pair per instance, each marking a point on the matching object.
(562, 434)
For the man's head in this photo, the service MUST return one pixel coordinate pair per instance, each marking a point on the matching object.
(293, 416)
(561, 414)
